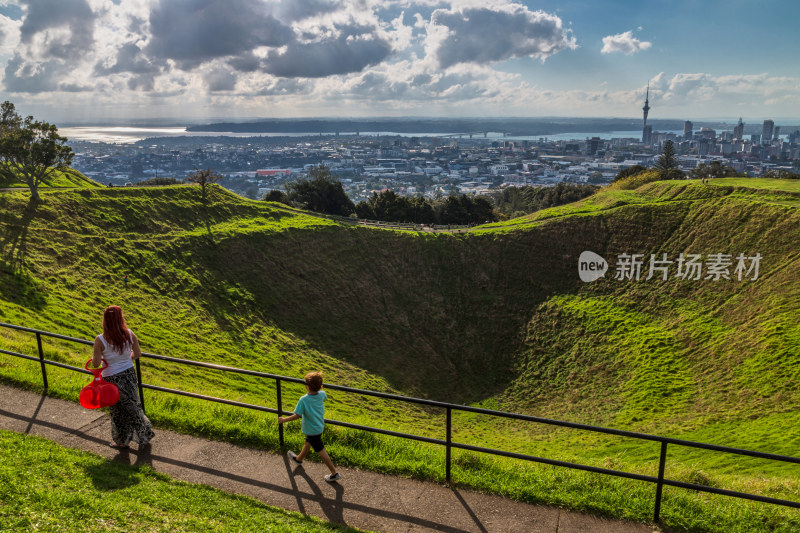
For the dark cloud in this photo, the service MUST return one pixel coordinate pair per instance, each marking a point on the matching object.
(23, 77)
(285, 87)
(349, 52)
(245, 63)
(220, 79)
(73, 15)
(129, 59)
(142, 82)
(295, 10)
(74, 88)
(191, 32)
(379, 87)
(485, 36)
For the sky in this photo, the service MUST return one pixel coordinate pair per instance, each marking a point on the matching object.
(123, 61)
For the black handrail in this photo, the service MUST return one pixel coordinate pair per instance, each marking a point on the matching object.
(447, 442)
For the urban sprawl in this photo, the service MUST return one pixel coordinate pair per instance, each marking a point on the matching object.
(431, 166)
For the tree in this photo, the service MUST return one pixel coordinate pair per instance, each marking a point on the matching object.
(276, 196)
(321, 193)
(714, 170)
(30, 150)
(628, 172)
(668, 164)
(781, 175)
(203, 178)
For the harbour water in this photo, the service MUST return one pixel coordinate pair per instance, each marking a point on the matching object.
(129, 134)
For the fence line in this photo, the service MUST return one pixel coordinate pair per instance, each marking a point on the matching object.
(660, 481)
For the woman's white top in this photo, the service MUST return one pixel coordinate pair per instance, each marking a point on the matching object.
(117, 360)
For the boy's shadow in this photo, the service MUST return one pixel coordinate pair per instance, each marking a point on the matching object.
(333, 508)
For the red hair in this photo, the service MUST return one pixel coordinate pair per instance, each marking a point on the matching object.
(115, 330)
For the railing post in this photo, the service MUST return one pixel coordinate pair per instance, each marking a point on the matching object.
(449, 440)
(661, 463)
(139, 379)
(41, 359)
(280, 411)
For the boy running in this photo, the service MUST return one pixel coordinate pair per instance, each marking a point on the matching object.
(311, 409)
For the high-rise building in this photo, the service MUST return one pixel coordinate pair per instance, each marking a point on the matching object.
(766, 131)
(646, 133)
(687, 130)
(738, 131)
(776, 134)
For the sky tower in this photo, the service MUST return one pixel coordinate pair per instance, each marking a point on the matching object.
(647, 131)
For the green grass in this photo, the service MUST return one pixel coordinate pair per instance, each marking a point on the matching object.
(46, 487)
(496, 318)
(68, 177)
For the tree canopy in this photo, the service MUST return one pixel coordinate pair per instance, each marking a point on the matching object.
(715, 169)
(667, 164)
(203, 178)
(628, 172)
(30, 150)
(320, 192)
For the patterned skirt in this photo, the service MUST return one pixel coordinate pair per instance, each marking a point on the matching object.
(128, 421)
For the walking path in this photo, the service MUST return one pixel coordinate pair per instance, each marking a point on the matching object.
(364, 500)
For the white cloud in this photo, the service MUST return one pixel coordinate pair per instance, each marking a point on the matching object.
(9, 35)
(485, 35)
(625, 43)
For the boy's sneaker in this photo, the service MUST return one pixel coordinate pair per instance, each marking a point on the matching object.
(293, 457)
(330, 478)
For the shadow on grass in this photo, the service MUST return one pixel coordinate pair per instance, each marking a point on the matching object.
(16, 284)
(114, 474)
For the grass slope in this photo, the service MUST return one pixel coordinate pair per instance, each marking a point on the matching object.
(68, 177)
(45, 487)
(497, 317)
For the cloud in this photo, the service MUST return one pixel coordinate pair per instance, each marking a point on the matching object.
(129, 59)
(340, 55)
(296, 10)
(9, 34)
(488, 35)
(63, 29)
(21, 76)
(625, 43)
(220, 79)
(191, 32)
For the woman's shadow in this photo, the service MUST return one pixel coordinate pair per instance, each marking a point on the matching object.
(116, 473)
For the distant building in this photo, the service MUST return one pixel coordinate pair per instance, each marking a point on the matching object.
(687, 130)
(708, 133)
(273, 172)
(738, 131)
(766, 131)
(647, 131)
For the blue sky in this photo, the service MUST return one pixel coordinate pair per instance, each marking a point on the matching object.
(118, 60)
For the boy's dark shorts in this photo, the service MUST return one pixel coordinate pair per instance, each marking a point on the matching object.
(316, 442)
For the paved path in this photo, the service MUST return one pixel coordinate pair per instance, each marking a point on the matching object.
(364, 500)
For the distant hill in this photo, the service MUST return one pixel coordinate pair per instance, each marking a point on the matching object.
(453, 126)
(511, 126)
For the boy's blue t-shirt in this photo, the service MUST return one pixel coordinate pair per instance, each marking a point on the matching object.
(311, 407)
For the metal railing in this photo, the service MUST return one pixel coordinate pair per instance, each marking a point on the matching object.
(660, 481)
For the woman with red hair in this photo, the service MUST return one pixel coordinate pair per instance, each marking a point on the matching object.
(119, 347)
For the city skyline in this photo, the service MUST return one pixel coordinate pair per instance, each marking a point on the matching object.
(85, 61)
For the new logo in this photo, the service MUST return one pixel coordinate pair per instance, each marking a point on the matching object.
(591, 266)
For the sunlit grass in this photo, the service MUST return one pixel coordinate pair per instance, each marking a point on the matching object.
(45, 487)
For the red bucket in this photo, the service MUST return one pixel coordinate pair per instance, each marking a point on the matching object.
(98, 393)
